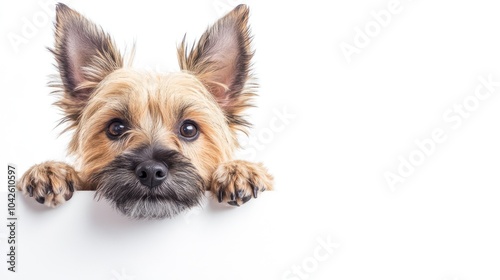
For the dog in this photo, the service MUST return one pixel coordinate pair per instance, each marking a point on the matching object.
(151, 143)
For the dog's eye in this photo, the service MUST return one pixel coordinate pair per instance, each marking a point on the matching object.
(115, 129)
(189, 130)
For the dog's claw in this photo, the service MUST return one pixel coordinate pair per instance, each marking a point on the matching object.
(255, 191)
(30, 190)
(246, 199)
(48, 190)
(68, 196)
(40, 199)
(221, 195)
(71, 187)
(233, 202)
(232, 196)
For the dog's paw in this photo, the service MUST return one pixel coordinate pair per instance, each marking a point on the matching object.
(237, 181)
(50, 183)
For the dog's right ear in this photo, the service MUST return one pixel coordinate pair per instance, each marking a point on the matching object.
(85, 55)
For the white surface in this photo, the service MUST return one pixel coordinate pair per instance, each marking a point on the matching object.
(85, 239)
(351, 124)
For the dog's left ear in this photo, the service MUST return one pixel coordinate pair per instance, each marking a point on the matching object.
(221, 60)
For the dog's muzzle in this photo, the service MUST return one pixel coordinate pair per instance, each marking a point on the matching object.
(150, 183)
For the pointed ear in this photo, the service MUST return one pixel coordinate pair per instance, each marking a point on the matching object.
(221, 59)
(85, 55)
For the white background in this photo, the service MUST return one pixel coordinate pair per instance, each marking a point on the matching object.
(353, 121)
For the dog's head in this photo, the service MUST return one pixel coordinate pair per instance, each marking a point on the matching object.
(149, 142)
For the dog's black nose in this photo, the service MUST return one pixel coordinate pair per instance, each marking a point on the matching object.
(151, 173)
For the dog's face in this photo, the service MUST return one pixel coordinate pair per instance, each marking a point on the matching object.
(149, 142)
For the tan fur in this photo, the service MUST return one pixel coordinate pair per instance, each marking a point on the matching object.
(97, 87)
